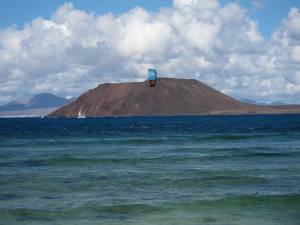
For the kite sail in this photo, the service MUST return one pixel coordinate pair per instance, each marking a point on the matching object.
(152, 76)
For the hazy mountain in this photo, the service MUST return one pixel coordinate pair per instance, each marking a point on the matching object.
(278, 103)
(39, 101)
(168, 97)
(249, 101)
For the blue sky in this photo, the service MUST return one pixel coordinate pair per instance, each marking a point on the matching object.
(268, 13)
(21, 11)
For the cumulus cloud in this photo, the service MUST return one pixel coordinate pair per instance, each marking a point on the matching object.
(219, 44)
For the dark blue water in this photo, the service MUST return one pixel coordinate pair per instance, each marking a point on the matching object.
(214, 170)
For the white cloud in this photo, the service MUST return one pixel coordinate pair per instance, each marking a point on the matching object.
(220, 45)
(296, 54)
(257, 5)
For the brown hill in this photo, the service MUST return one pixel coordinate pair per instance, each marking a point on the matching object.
(169, 97)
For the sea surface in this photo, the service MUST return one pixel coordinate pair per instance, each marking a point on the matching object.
(204, 170)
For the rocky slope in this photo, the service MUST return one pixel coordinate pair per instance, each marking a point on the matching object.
(169, 97)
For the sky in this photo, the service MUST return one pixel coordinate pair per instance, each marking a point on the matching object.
(245, 48)
(269, 13)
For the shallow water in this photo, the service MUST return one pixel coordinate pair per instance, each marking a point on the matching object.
(223, 170)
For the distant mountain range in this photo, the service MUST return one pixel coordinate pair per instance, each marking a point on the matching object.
(249, 101)
(39, 101)
(38, 105)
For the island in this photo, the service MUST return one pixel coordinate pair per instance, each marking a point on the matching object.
(170, 96)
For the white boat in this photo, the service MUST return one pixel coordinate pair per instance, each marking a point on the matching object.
(80, 115)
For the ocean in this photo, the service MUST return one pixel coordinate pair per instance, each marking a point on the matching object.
(189, 170)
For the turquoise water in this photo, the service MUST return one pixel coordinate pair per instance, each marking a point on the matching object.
(206, 170)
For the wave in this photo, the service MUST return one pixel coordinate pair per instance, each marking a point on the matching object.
(234, 137)
(161, 158)
(270, 154)
(228, 208)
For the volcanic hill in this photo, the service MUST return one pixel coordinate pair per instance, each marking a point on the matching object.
(169, 97)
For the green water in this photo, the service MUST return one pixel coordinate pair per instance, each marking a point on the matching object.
(228, 170)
